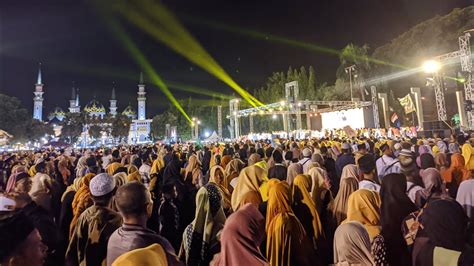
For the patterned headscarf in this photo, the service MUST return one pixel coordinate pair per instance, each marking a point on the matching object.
(201, 235)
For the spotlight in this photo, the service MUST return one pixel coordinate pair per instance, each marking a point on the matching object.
(274, 116)
(431, 66)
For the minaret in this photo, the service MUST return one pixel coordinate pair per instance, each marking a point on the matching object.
(141, 98)
(74, 101)
(38, 99)
(113, 102)
(77, 102)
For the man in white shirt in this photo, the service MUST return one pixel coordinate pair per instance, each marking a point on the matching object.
(386, 159)
(387, 164)
(368, 174)
(306, 159)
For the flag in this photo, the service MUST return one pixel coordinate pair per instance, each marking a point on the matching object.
(394, 118)
(407, 104)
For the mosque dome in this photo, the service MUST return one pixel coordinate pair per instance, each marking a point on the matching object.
(129, 112)
(94, 107)
(57, 113)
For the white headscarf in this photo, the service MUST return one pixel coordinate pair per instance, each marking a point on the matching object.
(465, 196)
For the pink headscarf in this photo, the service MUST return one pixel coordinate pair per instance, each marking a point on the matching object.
(12, 179)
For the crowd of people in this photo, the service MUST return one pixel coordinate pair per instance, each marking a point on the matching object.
(328, 201)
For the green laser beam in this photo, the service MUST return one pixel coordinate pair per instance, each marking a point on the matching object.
(139, 57)
(283, 40)
(167, 29)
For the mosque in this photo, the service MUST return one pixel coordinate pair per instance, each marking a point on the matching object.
(139, 128)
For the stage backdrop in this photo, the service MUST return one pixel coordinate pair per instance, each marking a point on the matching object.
(355, 118)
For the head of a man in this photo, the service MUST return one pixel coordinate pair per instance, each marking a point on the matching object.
(102, 187)
(277, 156)
(367, 166)
(23, 245)
(134, 202)
(386, 150)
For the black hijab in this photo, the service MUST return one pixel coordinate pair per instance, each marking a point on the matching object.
(172, 171)
(395, 207)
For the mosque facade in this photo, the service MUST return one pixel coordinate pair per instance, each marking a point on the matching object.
(140, 126)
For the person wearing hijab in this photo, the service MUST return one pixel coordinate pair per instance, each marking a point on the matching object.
(241, 237)
(347, 186)
(350, 171)
(395, 207)
(442, 238)
(151, 255)
(304, 207)
(200, 241)
(172, 172)
(364, 207)
(287, 243)
(16, 170)
(453, 147)
(306, 212)
(320, 192)
(278, 170)
(81, 167)
(433, 187)
(217, 178)
(352, 245)
(441, 162)
(232, 170)
(442, 147)
(193, 172)
(225, 160)
(82, 200)
(455, 174)
(465, 197)
(133, 174)
(252, 197)
(250, 179)
(293, 170)
(253, 159)
(427, 161)
(66, 214)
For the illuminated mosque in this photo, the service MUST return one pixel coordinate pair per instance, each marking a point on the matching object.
(139, 128)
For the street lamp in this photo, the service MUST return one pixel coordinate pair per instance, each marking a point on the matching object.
(349, 71)
(431, 66)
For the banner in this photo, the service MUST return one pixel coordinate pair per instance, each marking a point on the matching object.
(407, 104)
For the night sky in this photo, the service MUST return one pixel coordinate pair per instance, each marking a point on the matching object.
(74, 44)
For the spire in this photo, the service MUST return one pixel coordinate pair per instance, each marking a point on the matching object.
(73, 91)
(113, 91)
(39, 74)
(77, 97)
(142, 81)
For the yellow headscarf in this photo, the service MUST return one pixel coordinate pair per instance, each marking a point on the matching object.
(300, 193)
(111, 168)
(151, 255)
(364, 207)
(285, 234)
(250, 178)
(82, 200)
(157, 165)
(219, 181)
(133, 174)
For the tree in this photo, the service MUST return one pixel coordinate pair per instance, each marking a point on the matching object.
(357, 56)
(73, 124)
(95, 131)
(14, 118)
(37, 129)
(158, 124)
(120, 126)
